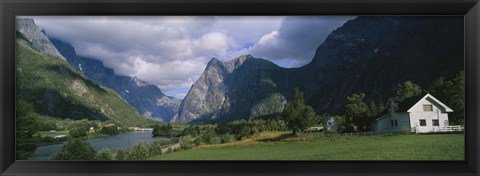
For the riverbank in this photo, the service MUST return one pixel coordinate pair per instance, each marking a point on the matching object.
(116, 142)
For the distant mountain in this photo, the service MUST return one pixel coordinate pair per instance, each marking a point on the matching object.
(148, 99)
(55, 89)
(368, 54)
(240, 88)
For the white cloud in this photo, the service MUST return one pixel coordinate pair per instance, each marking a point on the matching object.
(172, 52)
(297, 38)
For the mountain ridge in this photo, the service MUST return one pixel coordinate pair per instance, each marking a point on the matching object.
(148, 99)
(371, 55)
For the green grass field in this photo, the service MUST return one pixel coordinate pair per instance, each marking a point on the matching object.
(400, 147)
(52, 134)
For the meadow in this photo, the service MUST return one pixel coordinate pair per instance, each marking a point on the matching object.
(281, 146)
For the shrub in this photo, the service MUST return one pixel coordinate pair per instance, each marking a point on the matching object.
(141, 151)
(105, 154)
(186, 142)
(228, 138)
(122, 155)
(77, 132)
(405, 131)
(110, 130)
(75, 149)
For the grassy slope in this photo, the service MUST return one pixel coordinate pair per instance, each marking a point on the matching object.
(56, 89)
(409, 147)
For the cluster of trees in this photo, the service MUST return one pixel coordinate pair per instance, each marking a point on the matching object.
(361, 115)
(163, 130)
(228, 132)
(298, 116)
(358, 115)
(26, 127)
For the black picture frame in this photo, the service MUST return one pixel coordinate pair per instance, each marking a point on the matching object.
(470, 9)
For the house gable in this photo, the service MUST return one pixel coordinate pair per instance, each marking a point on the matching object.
(433, 101)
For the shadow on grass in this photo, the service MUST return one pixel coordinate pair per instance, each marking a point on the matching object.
(278, 138)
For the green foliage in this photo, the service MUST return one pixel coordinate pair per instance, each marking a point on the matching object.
(75, 149)
(298, 116)
(162, 130)
(141, 151)
(356, 113)
(110, 130)
(78, 132)
(408, 89)
(26, 126)
(105, 154)
(226, 138)
(122, 155)
(359, 114)
(452, 93)
(66, 93)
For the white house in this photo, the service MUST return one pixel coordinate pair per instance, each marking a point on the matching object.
(330, 124)
(420, 114)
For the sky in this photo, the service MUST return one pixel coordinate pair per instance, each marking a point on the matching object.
(171, 52)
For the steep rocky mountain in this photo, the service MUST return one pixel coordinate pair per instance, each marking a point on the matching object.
(368, 54)
(55, 89)
(148, 99)
(36, 36)
(241, 88)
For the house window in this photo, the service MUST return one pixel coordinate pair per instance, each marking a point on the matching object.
(435, 122)
(396, 123)
(423, 122)
(427, 107)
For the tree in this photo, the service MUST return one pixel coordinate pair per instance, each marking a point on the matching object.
(356, 112)
(105, 154)
(110, 130)
(77, 132)
(26, 125)
(298, 116)
(141, 151)
(451, 92)
(75, 149)
(408, 89)
(162, 130)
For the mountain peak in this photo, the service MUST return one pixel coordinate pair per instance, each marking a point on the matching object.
(36, 36)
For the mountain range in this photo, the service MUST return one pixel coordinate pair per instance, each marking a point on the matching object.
(369, 54)
(148, 99)
(47, 82)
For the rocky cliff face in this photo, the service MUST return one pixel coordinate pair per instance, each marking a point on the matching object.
(148, 99)
(368, 54)
(36, 36)
(232, 90)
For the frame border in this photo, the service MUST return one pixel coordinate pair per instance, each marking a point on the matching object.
(470, 9)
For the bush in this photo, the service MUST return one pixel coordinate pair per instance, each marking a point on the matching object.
(75, 149)
(405, 131)
(228, 138)
(162, 131)
(110, 130)
(105, 154)
(186, 142)
(122, 155)
(140, 151)
(77, 132)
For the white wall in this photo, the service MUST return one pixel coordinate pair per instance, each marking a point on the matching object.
(386, 124)
(417, 113)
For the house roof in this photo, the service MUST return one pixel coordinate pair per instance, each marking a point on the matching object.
(431, 98)
(407, 103)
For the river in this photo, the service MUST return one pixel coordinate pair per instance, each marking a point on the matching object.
(121, 141)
